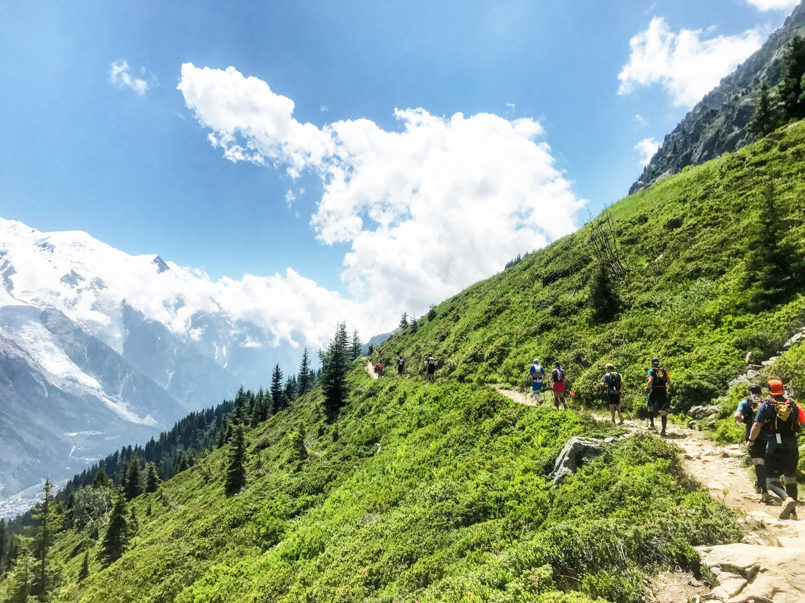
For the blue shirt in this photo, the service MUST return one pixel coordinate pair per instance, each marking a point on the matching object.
(745, 408)
(765, 416)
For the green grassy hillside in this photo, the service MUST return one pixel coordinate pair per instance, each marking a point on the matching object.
(439, 492)
(416, 492)
(685, 242)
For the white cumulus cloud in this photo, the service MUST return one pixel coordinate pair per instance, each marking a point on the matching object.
(120, 76)
(647, 147)
(687, 66)
(774, 4)
(427, 210)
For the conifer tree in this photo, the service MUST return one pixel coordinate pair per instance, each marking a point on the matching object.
(183, 464)
(21, 577)
(355, 346)
(276, 389)
(83, 573)
(222, 434)
(404, 321)
(335, 363)
(289, 393)
(3, 538)
(764, 121)
(151, 478)
(791, 82)
(236, 471)
(40, 585)
(603, 297)
(774, 269)
(114, 541)
(414, 325)
(298, 448)
(239, 414)
(304, 379)
(134, 481)
(101, 480)
(133, 524)
(431, 313)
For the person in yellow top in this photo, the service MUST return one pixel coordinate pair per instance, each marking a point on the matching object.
(657, 387)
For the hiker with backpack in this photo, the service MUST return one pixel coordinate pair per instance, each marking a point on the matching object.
(371, 349)
(613, 384)
(780, 420)
(431, 363)
(745, 413)
(379, 369)
(400, 365)
(657, 387)
(558, 386)
(537, 374)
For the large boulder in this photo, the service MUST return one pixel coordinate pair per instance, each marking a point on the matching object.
(573, 455)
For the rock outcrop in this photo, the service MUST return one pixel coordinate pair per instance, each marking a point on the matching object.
(717, 125)
(573, 455)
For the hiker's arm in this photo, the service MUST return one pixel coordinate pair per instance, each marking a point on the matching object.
(650, 382)
(738, 416)
(753, 434)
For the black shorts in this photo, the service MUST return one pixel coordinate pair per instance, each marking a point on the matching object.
(613, 399)
(781, 461)
(658, 400)
(758, 449)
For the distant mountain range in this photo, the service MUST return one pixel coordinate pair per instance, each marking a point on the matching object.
(99, 349)
(717, 124)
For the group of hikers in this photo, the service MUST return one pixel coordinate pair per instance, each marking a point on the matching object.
(430, 365)
(772, 425)
(612, 384)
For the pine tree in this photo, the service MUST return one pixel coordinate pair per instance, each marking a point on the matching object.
(133, 524)
(276, 389)
(335, 364)
(355, 346)
(21, 577)
(134, 481)
(183, 464)
(764, 121)
(101, 480)
(40, 585)
(297, 440)
(791, 82)
(414, 325)
(404, 321)
(151, 478)
(304, 380)
(431, 313)
(222, 434)
(290, 390)
(239, 414)
(83, 573)
(116, 537)
(3, 538)
(603, 297)
(236, 472)
(773, 269)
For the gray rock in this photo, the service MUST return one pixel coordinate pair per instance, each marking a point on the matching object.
(573, 455)
(712, 410)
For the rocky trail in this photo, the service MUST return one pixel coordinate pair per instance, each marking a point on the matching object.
(768, 565)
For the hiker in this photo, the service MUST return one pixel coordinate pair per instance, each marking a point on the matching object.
(745, 413)
(379, 369)
(371, 349)
(558, 385)
(400, 365)
(657, 388)
(614, 388)
(537, 374)
(430, 362)
(780, 419)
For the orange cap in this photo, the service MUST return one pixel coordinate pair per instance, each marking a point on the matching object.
(776, 387)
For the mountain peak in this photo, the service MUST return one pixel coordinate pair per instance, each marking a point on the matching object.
(160, 264)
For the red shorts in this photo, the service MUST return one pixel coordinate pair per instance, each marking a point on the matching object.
(558, 387)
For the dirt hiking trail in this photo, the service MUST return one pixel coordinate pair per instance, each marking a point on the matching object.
(370, 369)
(768, 565)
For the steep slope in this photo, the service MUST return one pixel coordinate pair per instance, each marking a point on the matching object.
(717, 124)
(685, 243)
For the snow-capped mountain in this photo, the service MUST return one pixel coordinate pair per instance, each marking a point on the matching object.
(100, 349)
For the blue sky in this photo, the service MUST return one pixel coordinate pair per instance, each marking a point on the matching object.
(135, 168)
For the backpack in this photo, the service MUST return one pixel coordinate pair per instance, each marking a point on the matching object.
(755, 403)
(560, 374)
(660, 378)
(614, 381)
(785, 419)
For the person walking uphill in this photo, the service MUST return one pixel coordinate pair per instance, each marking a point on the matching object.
(745, 413)
(430, 362)
(614, 388)
(400, 365)
(781, 419)
(537, 374)
(657, 387)
(558, 385)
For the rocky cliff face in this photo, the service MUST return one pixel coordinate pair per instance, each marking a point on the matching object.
(717, 125)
